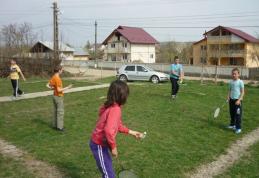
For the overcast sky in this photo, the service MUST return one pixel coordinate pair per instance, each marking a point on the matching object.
(179, 20)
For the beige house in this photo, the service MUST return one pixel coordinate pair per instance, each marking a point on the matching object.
(81, 54)
(130, 44)
(226, 46)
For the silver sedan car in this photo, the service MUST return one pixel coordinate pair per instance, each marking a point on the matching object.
(140, 72)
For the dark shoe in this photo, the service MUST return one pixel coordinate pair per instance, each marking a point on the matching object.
(21, 94)
(61, 130)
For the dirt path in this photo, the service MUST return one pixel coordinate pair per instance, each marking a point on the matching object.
(225, 161)
(48, 93)
(38, 168)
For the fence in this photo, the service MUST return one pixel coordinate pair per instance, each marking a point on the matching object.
(189, 70)
(29, 66)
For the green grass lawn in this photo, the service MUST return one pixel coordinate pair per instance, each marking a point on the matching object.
(180, 133)
(39, 84)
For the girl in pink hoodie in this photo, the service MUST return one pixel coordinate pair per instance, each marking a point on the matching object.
(108, 125)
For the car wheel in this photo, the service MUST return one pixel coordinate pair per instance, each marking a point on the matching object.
(154, 79)
(123, 78)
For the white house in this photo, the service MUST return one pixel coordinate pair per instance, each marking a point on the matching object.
(130, 44)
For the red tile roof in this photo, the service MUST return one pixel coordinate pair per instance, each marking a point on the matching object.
(203, 39)
(238, 33)
(133, 35)
(243, 35)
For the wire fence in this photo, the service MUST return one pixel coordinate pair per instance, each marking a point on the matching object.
(29, 66)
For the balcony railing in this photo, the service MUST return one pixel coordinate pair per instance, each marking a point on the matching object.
(226, 53)
(224, 39)
(117, 50)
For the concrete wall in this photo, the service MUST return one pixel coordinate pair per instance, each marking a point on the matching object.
(189, 70)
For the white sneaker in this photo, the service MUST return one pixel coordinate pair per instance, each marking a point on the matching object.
(173, 96)
(13, 98)
(231, 127)
(238, 131)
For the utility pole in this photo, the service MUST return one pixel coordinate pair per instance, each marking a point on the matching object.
(219, 55)
(95, 40)
(55, 33)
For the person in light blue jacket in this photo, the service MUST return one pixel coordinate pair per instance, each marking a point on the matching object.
(176, 74)
(235, 97)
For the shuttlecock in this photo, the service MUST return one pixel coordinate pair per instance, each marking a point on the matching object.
(144, 135)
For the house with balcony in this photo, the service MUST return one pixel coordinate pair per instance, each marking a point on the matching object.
(226, 46)
(130, 44)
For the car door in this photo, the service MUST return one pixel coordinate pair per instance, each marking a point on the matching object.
(130, 71)
(142, 73)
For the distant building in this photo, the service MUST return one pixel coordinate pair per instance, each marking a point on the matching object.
(81, 54)
(226, 46)
(130, 44)
(45, 50)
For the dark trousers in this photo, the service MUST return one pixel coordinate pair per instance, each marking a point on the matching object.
(235, 113)
(175, 86)
(16, 89)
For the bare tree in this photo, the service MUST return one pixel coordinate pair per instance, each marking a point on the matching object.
(17, 39)
(168, 50)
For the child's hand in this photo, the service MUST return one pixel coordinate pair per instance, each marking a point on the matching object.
(227, 99)
(237, 102)
(115, 152)
(136, 134)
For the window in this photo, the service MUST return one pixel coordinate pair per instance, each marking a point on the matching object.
(141, 69)
(113, 57)
(151, 55)
(203, 60)
(125, 45)
(113, 45)
(130, 68)
(203, 47)
(233, 61)
(125, 57)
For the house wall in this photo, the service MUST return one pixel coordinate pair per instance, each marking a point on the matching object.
(135, 52)
(119, 48)
(143, 53)
(197, 52)
(246, 58)
(66, 55)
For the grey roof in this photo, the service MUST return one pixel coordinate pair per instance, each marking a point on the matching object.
(80, 52)
(62, 47)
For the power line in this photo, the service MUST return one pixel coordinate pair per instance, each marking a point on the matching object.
(219, 15)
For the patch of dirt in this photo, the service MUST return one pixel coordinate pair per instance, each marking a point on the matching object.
(38, 168)
(225, 161)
